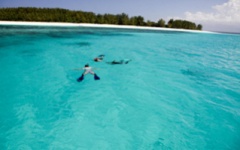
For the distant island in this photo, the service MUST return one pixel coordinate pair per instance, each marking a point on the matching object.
(70, 16)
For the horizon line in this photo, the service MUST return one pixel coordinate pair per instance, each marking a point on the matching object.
(62, 24)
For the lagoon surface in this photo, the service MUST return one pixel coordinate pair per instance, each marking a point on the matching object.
(180, 91)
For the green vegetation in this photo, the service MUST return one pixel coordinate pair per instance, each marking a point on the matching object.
(64, 15)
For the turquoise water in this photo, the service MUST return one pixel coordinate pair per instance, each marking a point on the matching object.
(180, 91)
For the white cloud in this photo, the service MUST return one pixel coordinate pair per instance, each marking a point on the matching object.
(225, 17)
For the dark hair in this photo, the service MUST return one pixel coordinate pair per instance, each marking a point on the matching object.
(87, 65)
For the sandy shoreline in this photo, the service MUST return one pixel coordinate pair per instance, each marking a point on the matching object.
(60, 24)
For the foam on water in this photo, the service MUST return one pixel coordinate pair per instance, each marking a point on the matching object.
(180, 91)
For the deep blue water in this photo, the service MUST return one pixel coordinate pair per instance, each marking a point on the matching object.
(180, 91)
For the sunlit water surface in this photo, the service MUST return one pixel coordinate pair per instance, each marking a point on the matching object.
(180, 91)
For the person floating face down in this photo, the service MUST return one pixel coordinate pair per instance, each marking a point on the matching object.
(114, 62)
(87, 69)
(99, 58)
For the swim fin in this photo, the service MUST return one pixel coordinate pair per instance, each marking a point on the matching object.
(96, 77)
(80, 78)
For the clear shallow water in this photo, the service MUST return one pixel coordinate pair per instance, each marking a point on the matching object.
(181, 90)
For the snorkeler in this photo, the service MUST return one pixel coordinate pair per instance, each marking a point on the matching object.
(99, 58)
(114, 62)
(87, 69)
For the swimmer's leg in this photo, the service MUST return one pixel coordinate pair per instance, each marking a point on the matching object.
(80, 78)
(90, 71)
(87, 71)
(96, 77)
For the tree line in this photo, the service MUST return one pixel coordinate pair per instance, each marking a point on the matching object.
(64, 15)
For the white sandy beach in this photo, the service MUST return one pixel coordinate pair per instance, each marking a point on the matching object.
(61, 24)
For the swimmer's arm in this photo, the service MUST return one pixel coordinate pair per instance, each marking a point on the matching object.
(78, 69)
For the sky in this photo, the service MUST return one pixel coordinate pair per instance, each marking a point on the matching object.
(213, 15)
